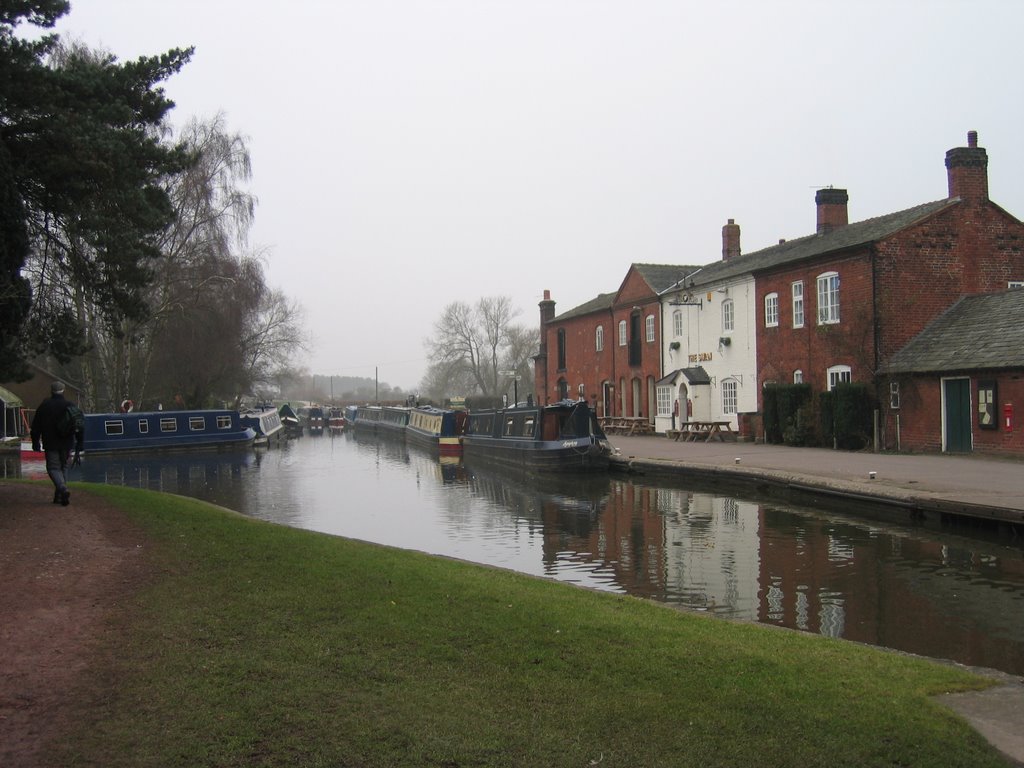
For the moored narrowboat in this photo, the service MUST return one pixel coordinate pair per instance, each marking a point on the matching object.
(265, 422)
(393, 420)
(368, 418)
(165, 430)
(436, 429)
(563, 436)
(290, 420)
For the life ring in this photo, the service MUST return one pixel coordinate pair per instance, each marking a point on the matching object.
(127, 406)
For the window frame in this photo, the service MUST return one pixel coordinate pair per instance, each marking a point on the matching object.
(835, 375)
(664, 400)
(728, 316)
(797, 293)
(649, 329)
(599, 339)
(771, 310)
(828, 288)
(798, 376)
(622, 333)
(730, 396)
(677, 323)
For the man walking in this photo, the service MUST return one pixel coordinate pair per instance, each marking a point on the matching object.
(47, 425)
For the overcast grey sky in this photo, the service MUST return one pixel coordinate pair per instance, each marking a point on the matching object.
(410, 154)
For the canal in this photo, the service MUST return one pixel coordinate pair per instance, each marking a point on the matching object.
(943, 594)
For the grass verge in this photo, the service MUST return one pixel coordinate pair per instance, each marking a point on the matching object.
(261, 645)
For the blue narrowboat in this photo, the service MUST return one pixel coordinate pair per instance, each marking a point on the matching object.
(162, 430)
(265, 422)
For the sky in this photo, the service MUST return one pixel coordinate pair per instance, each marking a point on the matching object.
(408, 154)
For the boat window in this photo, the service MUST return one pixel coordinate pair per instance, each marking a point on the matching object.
(528, 426)
(510, 426)
(113, 427)
(223, 422)
(168, 425)
(196, 423)
(143, 426)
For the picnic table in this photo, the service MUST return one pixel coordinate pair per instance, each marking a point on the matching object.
(626, 425)
(704, 431)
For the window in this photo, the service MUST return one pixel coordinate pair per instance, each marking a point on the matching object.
(622, 333)
(223, 422)
(169, 425)
(599, 338)
(649, 328)
(771, 310)
(894, 395)
(1015, 284)
(196, 423)
(113, 427)
(677, 323)
(828, 298)
(729, 396)
(798, 377)
(839, 374)
(143, 426)
(798, 304)
(561, 349)
(664, 401)
(727, 321)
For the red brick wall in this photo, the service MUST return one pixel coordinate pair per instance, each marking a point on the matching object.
(814, 348)
(920, 415)
(584, 365)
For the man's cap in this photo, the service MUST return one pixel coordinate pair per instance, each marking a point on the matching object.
(57, 387)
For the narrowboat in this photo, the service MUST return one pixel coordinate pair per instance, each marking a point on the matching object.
(351, 412)
(335, 420)
(563, 436)
(165, 430)
(368, 418)
(311, 417)
(265, 422)
(290, 420)
(393, 420)
(436, 429)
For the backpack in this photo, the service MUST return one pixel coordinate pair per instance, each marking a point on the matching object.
(71, 421)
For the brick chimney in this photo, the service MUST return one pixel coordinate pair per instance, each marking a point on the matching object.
(730, 240)
(967, 170)
(547, 309)
(832, 213)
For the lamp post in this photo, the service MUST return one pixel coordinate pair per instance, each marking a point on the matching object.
(515, 385)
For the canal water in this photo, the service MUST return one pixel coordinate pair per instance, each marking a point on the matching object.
(944, 594)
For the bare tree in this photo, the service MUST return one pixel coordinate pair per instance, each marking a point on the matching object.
(474, 344)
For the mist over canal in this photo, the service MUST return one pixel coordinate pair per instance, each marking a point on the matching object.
(942, 594)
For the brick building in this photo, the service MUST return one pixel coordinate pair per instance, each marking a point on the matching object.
(959, 384)
(607, 350)
(836, 305)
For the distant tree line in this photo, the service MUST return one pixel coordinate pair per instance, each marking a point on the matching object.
(123, 258)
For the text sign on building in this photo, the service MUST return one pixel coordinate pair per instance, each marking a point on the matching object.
(700, 357)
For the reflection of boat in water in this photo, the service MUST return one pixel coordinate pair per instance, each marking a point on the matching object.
(574, 499)
(563, 436)
(437, 429)
(265, 422)
(202, 475)
(165, 430)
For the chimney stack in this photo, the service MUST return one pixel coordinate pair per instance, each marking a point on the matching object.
(547, 309)
(730, 240)
(967, 170)
(832, 213)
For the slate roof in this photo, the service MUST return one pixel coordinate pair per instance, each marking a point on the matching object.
(695, 375)
(603, 301)
(665, 277)
(854, 235)
(979, 332)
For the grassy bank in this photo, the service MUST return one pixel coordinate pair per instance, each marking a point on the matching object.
(258, 645)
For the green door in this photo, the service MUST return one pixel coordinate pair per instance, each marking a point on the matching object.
(956, 398)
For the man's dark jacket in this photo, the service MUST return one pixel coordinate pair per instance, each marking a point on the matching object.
(44, 425)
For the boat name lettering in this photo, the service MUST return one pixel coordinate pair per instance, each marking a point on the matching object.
(570, 443)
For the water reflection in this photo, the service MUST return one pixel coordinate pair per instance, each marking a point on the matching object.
(942, 594)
